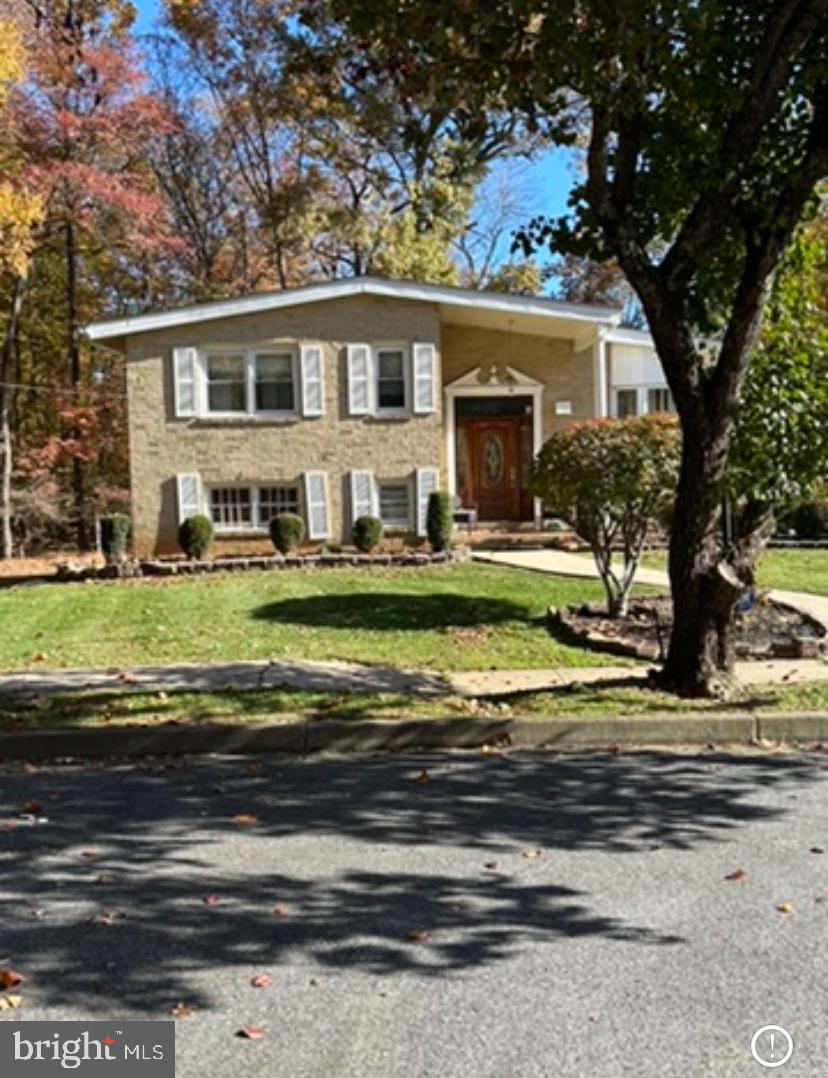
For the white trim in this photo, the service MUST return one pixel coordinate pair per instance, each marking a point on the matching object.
(641, 390)
(368, 286)
(468, 385)
(600, 374)
(249, 355)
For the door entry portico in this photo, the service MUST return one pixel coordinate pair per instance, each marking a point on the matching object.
(494, 456)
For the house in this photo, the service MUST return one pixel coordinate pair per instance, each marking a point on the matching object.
(357, 397)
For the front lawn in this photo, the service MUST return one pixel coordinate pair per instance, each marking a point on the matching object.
(457, 617)
(791, 569)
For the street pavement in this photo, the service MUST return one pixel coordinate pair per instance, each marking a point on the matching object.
(437, 916)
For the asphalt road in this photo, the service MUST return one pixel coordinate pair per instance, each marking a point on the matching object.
(513, 917)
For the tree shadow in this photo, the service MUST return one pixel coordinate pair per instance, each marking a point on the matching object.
(392, 611)
(104, 903)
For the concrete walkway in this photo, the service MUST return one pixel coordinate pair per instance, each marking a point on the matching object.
(560, 563)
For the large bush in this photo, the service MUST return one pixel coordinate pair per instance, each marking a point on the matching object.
(439, 520)
(287, 530)
(195, 536)
(611, 479)
(367, 534)
(114, 536)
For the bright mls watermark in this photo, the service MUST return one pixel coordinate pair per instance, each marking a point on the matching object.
(771, 1046)
(47, 1049)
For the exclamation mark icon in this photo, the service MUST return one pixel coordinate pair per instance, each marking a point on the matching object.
(773, 1038)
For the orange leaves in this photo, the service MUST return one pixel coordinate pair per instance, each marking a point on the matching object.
(418, 935)
(785, 908)
(261, 980)
(736, 875)
(245, 819)
(250, 1033)
(10, 978)
(182, 1010)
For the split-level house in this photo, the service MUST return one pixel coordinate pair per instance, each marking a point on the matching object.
(359, 397)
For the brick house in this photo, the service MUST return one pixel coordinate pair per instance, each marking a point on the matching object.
(360, 396)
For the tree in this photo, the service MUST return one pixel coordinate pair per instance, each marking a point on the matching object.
(706, 131)
(611, 480)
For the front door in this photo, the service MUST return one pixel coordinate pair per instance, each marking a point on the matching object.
(492, 473)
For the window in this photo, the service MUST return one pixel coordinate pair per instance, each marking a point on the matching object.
(274, 382)
(250, 508)
(660, 400)
(231, 507)
(390, 379)
(626, 403)
(226, 384)
(275, 500)
(394, 503)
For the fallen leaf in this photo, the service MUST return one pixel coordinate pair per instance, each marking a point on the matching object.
(211, 900)
(32, 808)
(90, 853)
(245, 819)
(127, 679)
(737, 874)
(531, 855)
(182, 1010)
(313, 982)
(418, 935)
(10, 978)
(785, 907)
(39, 657)
(490, 866)
(250, 1033)
(103, 877)
(261, 980)
(817, 849)
(280, 911)
(423, 778)
(8, 1003)
(106, 917)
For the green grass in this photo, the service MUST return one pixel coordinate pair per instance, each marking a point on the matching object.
(791, 570)
(617, 700)
(460, 617)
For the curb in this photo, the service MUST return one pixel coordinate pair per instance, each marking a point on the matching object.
(384, 735)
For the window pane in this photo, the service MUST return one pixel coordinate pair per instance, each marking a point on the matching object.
(626, 403)
(226, 384)
(230, 507)
(274, 382)
(391, 379)
(393, 503)
(275, 500)
(659, 400)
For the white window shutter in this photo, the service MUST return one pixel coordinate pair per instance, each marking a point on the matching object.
(185, 376)
(364, 501)
(313, 386)
(189, 495)
(423, 363)
(428, 480)
(316, 504)
(360, 380)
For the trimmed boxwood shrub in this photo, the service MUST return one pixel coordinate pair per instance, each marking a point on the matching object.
(114, 536)
(439, 521)
(367, 534)
(287, 530)
(195, 536)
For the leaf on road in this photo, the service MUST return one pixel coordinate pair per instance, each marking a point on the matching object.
(250, 1033)
(424, 778)
(817, 849)
(106, 917)
(8, 1003)
(32, 808)
(89, 853)
(418, 935)
(211, 900)
(182, 1010)
(261, 980)
(490, 866)
(245, 819)
(280, 911)
(785, 907)
(10, 978)
(103, 877)
(531, 855)
(737, 874)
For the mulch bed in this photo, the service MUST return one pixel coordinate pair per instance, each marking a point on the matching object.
(768, 630)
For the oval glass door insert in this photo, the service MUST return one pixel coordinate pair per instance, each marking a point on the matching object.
(493, 461)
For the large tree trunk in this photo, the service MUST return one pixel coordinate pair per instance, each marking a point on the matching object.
(6, 360)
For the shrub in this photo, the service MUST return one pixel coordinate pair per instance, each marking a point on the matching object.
(114, 536)
(807, 521)
(287, 531)
(611, 479)
(439, 520)
(195, 536)
(367, 534)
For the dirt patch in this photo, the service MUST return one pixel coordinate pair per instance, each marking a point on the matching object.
(46, 564)
(765, 630)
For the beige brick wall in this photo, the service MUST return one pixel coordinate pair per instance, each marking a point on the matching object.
(565, 374)
(239, 452)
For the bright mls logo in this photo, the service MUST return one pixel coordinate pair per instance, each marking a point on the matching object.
(47, 1049)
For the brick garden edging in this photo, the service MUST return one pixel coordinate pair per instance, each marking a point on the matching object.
(146, 567)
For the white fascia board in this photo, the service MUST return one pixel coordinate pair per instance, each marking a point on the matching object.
(316, 293)
(624, 335)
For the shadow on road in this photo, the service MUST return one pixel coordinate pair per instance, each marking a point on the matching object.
(356, 853)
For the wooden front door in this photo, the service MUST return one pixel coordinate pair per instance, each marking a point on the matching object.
(492, 473)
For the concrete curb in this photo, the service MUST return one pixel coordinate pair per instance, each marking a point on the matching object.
(377, 735)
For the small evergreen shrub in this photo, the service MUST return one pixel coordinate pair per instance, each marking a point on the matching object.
(367, 534)
(439, 521)
(195, 536)
(114, 536)
(287, 531)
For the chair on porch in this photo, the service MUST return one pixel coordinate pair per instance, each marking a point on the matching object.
(463, 514)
